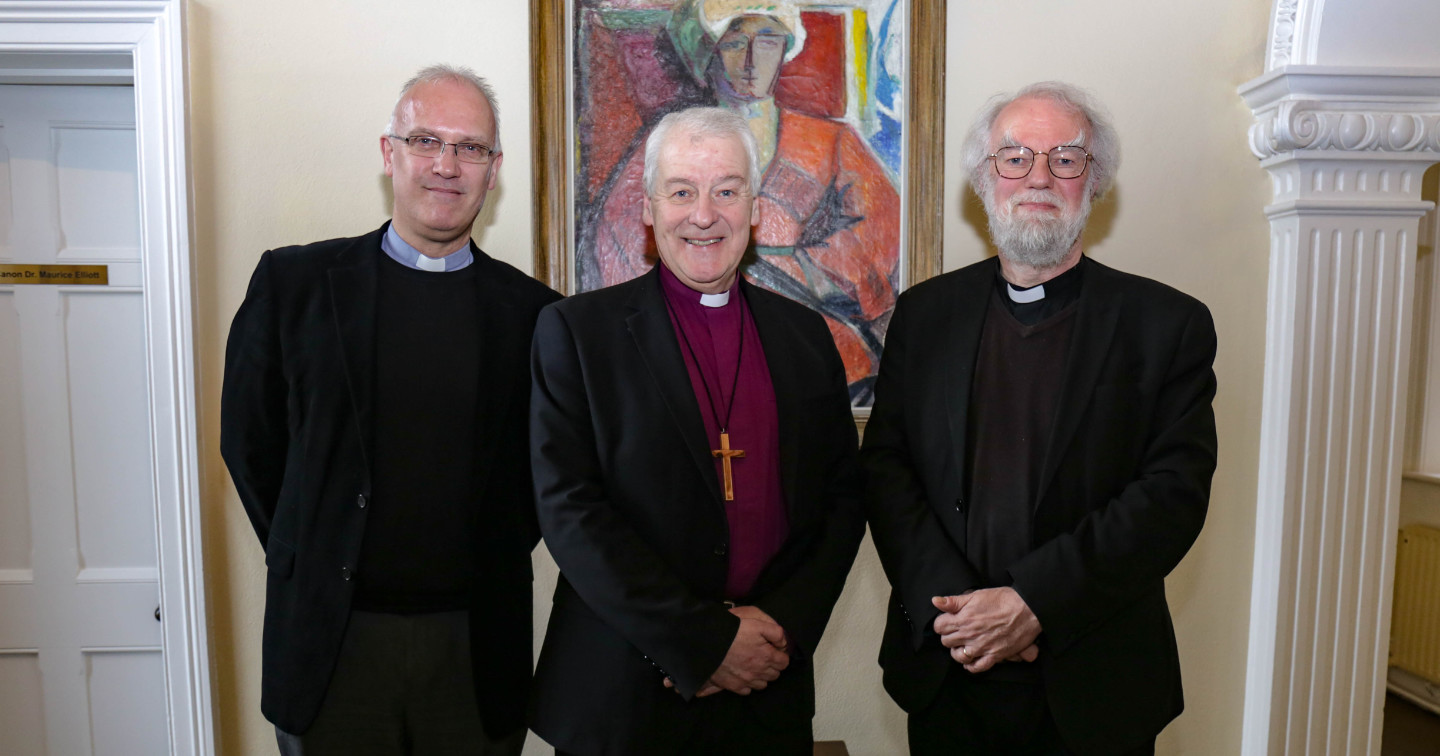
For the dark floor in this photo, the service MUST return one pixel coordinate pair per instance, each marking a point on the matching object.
(1409, 729)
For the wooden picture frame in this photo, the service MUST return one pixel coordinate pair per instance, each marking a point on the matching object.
(553, 145)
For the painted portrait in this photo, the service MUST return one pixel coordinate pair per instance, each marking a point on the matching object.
(822, 87)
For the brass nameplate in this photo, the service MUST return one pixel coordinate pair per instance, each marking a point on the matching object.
(64, 275)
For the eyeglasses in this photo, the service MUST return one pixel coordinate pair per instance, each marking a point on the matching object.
(1064, 162)
(429, 147)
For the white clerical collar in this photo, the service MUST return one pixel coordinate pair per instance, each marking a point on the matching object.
(1025, 296)
(431, 264)
(402, 252)
(715, 300)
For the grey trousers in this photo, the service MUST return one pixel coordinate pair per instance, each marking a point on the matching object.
(402, 687)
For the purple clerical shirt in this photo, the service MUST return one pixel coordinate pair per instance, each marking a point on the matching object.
(757, 520)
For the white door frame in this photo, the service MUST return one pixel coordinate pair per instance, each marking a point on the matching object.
(151, 32)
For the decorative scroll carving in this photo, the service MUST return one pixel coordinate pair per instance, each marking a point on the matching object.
(1282, 33)
(1306, 125)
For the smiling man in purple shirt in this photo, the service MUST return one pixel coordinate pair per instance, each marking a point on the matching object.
(693, 452)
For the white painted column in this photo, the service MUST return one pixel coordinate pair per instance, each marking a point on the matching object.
(1347, 150)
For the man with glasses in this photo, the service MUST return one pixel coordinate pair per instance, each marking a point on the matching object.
(1039, 457)
(374, 419)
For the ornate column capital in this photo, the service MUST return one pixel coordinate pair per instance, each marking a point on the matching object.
(1329, 109)
(1345, 139)
(1311, 125)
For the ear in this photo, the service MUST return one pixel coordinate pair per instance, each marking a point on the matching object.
(387, 152)
(755, 212)
(495, 170)
(645, 213)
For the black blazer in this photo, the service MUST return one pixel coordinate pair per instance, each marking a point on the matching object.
(296, 433)
(1123, 494)
(632, 511)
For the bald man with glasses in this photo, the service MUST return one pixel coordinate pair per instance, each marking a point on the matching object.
(374, 420)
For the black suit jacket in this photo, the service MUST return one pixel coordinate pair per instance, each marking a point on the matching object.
(632, 511)
(1123, 494)
(296, 433)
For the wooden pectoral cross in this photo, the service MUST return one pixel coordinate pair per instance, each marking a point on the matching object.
(725, 453)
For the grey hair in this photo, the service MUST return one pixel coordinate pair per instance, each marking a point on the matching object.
(707, 122)
(439, 72)
(1101, 140)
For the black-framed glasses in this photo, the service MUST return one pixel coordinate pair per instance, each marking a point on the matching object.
(425, 146)
(1066, 162)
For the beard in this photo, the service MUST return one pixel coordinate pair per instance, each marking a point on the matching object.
(1037, 241)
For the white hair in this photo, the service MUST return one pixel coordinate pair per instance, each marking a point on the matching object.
(706, 122)
(439, 72)
(1099, 139)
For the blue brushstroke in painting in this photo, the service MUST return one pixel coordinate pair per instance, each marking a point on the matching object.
(889, 93)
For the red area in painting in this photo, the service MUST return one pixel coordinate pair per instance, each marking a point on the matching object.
(651, 79)
(609, 115)
(814, 82)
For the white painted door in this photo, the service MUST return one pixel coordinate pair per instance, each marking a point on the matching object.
(81, 667)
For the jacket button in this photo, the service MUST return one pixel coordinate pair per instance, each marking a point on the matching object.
(360, 501)
(345, 573)
(960, 505)
(720, 550)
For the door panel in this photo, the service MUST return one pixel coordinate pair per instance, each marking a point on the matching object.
(5, 203)
(14, 511)
(96, 192)
(127, 691)
(114, 493)
(78, 562)
(21, 717)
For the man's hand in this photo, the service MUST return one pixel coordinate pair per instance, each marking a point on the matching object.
(756, 657)
(756, 613)
(1029, 654)
(985, 627)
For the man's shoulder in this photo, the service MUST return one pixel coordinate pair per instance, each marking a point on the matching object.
(764, 301)
(1143, 292)
(754, 291)
(610, 300)
(515, 282)
(323, 253)
(944, 286)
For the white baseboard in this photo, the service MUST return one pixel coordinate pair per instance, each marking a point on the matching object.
(1413, 688)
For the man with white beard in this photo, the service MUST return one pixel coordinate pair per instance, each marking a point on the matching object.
(1039, 458)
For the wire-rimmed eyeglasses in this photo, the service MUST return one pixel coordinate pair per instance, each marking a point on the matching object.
(426, 146)
(1064, 162)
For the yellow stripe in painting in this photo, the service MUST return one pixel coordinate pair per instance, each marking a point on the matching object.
(859, 30)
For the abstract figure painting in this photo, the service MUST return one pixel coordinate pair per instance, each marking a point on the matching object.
(824, 88)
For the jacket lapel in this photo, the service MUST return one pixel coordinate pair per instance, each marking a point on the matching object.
(1095, 323)
(649, 324)
(962, 344)
(778, 341)
(352, 294)
(498, 331)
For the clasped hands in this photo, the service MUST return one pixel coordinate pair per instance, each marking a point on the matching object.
(985, 627)
(756, 657)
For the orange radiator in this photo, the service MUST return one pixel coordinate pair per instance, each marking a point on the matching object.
(1415, 623)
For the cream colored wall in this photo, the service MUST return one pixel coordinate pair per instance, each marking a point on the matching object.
(1187, 211)
(1420, 502)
